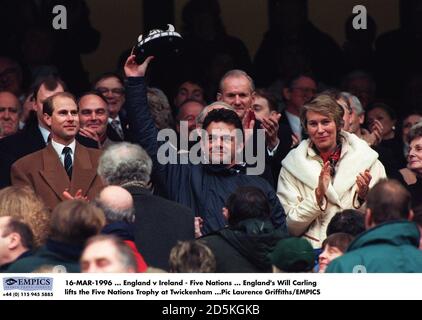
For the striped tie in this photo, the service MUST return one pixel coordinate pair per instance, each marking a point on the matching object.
(116, 126)
(67, 161)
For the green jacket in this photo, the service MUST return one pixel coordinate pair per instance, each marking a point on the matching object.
(389, 247)
(245, 246)
(51, 254)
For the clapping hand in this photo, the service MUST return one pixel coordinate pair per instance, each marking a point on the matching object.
(271, 125)
(78, 195)
(323, 182)
(362, 181)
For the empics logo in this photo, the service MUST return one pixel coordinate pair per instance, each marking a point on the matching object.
(28, 284)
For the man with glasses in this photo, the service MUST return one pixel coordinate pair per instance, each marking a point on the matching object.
(110, 85)
(298, 91)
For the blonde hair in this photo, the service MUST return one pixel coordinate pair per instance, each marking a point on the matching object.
(191, 256)
(323, 104)
(24, 205)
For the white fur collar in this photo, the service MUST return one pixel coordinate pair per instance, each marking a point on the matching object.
(356, 156)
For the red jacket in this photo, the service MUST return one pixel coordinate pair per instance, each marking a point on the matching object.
(142, 266)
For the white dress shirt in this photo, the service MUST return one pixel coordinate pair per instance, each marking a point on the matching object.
(59, 149)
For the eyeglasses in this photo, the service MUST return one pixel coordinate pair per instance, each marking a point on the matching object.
(305, 90)
(114, 91)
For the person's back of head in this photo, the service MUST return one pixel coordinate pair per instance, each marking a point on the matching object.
(292, 255)
(387, 201)
(125, 163)
(74, 221)
(117, 204)
(160, 109)
(23, 204)
(15, 237)
(349, 221)
(191, 256)
(247, 203)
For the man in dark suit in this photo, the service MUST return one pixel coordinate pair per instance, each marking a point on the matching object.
(35, 135)
(64, 165)
(111, 86)
(299, 90)
(159, 223)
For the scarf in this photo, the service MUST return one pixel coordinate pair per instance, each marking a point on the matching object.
(332, 157)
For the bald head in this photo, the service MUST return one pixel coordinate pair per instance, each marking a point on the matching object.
(388, 200)
(9, 112)
(116, 197)
(117, 204)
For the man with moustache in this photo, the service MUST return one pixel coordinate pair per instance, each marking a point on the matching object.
(64, 165)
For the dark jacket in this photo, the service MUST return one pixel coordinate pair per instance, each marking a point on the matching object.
(244, 247)
(159, 225)
(416, 192)
(53, 253)
(203, 188)
(389, 247)
(27, 141)
(125, 231)
(124, 122)
(5, 267)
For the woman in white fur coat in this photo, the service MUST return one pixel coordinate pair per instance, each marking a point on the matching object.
(330, 171)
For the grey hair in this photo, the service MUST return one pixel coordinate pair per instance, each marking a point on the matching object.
(236, 73)
(126, 255)
(123, 163)
(415, 132)
(201, 117)
(160, 109)
(116, 214)
(354, 102)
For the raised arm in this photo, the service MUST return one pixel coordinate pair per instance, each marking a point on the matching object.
(142, 124)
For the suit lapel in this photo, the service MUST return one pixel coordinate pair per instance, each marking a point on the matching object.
(54, 173)
(34, 139)
(112, 134)
(83, 173)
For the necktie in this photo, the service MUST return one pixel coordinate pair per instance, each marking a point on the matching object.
(67, 161)
(116, 126)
